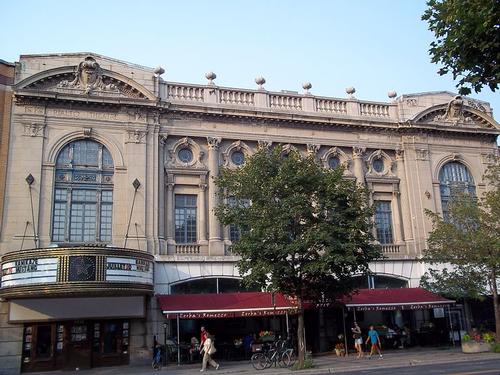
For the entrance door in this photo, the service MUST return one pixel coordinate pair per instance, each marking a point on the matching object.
(78, 347)
(110, 343)
(39, 349)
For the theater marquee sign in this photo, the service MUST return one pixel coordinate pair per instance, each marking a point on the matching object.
(32, 271)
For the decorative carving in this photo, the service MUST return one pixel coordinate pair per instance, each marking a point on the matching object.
(88, 77)
(162, 138)
(286, 149)
(264, 145)
(358, 152)
(213, 142)
(136, 135)
(400, 154)
(476, 105)
(173, 160)
(312, 149)
(87, 132)
(34, 129)
(235, 146)
(411, 102)
(345, 160)
(422, 154)
(387, 168)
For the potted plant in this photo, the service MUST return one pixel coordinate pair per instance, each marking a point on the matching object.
(266, 336)
(477, 343)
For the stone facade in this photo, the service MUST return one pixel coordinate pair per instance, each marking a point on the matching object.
(145, 122)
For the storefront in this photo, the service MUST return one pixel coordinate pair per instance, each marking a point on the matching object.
(403, 316)
(77, 306)
(228, 316)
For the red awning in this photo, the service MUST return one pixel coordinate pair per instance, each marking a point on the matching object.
(394, 299)
(224, 305)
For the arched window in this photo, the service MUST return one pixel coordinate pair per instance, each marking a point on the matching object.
(83, 193)
(454, 178)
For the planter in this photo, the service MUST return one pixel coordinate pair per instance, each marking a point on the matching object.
(267, 338)
(475, 347)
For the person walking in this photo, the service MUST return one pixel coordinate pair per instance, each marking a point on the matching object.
(208, 349)
(358, 339)
(373, 336)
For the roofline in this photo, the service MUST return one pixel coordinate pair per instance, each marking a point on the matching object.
(76, 54)
(7, 63)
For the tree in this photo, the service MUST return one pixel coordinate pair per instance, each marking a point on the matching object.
(306, 231)
(469, 242)
(467, 41)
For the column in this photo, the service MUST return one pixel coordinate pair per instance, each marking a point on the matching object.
(398, 227)
(358, 168)
(215, 244)
(161, 195)
(202, 232)
(170, 215)
(403, 197)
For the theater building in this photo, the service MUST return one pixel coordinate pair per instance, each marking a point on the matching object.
(109, 194)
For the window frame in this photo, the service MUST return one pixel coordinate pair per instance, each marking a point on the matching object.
(92, 178)
(384, 235)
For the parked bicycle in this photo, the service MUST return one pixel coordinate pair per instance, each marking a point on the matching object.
(278, 355)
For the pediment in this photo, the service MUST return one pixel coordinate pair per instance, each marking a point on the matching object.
(87, 78)
(455, 114)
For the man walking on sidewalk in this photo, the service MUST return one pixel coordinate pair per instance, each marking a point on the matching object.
(375, 341)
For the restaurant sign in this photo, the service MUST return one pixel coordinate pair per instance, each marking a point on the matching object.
(415, 306)
(227, 314)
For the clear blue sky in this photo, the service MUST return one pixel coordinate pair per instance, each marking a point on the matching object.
(373, 45)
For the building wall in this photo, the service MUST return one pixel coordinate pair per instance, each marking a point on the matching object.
(150, 120)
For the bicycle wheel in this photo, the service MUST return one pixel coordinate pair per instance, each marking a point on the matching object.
(284, 359)
(259, 361)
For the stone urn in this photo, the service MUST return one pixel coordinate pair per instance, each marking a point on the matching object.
(475, 347)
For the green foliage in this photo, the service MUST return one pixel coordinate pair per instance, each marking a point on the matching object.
(495, 347)
(458, 283)
(469, 243)
(467, 41)
(308, 363)
(307, 230)
(466, 338)
(489, 337)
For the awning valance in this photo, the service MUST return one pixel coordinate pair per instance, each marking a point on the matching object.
(224, 305)
(394, 299)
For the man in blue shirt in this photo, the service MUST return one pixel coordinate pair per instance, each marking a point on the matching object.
(375, 340)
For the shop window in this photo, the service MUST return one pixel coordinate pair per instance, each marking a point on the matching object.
(454, 179)
(185, 218)
(83, 193)
(210, 285)
(383, 222)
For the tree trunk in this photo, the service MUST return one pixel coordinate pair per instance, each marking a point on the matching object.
(301, 334)
(496, 306)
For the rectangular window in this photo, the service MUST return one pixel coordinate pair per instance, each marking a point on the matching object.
(185, 218)
(83, 215)
(59, 222)
(383, 222)
(234, 230)
(106, 215)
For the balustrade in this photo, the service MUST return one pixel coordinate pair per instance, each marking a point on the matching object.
(391, 249)
(374, 110)
(187, 249)
(331, 106)
(183, 92)
(236, 97)
(286, 102)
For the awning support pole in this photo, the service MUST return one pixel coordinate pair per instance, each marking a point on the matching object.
(451, 327)
(287, 327)
(345, 333)
(178, 342)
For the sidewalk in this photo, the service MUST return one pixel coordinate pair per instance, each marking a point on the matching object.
(323, 364)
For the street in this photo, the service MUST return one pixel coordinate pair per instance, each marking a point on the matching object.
(486, 367)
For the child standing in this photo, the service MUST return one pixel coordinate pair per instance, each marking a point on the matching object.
(375, 341)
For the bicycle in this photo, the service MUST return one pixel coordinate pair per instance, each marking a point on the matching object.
(276, 355)
(157, 358)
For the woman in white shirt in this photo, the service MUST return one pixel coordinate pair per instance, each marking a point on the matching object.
(208, 349)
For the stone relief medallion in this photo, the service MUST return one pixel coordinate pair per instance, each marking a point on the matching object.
(88, 77)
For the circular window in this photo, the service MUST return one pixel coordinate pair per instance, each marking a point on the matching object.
(333, 162)
(238, 157)
(185, 155)
(378, 165)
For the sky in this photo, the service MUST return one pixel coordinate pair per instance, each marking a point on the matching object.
(374, 45)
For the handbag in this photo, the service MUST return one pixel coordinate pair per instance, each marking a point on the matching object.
(212, 350)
